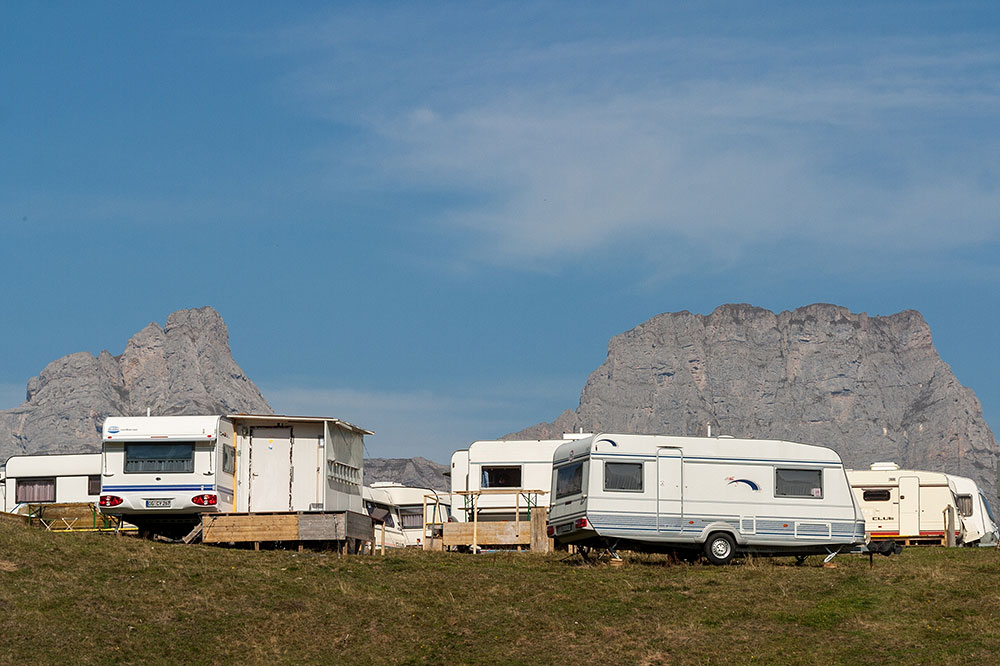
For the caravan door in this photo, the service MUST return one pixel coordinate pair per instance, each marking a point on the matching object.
(270, 469)
(909, 506)
(669, 490)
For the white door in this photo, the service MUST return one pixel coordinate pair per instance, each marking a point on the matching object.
(669, 490)
(909, 506)
(270, 469)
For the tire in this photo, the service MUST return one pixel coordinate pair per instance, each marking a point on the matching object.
(720, 548)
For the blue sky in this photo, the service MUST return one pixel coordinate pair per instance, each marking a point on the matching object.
(429, 218)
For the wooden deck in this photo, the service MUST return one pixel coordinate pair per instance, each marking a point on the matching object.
(341, 526)
(506, 533)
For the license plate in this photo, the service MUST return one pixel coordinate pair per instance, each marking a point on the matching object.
(158, 504)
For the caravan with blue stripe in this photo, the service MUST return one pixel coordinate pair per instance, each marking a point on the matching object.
(719, 496)
(163, 473)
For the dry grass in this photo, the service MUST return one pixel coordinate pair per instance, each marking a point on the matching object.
(122, 600)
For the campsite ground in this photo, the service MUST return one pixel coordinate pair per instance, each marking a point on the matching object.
(95, 598)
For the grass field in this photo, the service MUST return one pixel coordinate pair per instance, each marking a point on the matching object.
(100, 599)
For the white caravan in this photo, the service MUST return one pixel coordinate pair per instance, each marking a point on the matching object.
(388, 526)
(404, 510)
(907, 505)
(977, 516)
(718, 494)
(161, 472)
(495, 465)
(45, 479)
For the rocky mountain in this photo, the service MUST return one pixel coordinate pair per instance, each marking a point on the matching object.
(872, 388)
(186, 367)
(417, 472)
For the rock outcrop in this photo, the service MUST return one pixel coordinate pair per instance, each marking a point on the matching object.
(872, 388)
(186, 367)
(416, 472)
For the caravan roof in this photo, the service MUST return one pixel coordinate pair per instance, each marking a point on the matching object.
(55, 464)
(166, 428)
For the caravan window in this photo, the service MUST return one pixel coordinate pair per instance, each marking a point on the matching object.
(501, 477)
(380, 513)
(228, 459)
(411, 516)
(623, 477)
(159, 457)
(35, 490)
(986, 505)
(798, 483)
(964, 505)
(94, 484)
(569, 480)
(877, 495)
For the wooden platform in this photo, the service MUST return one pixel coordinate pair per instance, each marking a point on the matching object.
(506, 533)
(300, 526)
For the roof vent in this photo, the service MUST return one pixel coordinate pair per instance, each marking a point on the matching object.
(884, 466)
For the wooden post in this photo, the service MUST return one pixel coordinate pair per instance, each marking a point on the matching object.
(950, 526)
(475, 523)
(382, 549)
(539, 535)
(517, 514)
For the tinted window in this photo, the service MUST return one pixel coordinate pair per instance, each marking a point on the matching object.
(380, 513)
(159, 457)
(569, 480)
(798, 483)
(94, 484)
(501, 477)
(623, 476)
(228, 459)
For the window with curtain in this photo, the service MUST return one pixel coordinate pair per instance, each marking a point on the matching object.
(623, 476)
(178, 457)
(35, 490)
(94, 484)
(411, 516)
(798, 483)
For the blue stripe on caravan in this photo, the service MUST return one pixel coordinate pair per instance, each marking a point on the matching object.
(224, 490)
(758, 461)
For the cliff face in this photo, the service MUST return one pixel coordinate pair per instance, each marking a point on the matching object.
(186, 367)
(417, 472)
(872, 388)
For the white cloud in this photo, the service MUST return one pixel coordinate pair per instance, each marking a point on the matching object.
(572, 146)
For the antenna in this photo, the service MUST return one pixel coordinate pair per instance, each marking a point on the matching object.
(147, 411)
(708, 426)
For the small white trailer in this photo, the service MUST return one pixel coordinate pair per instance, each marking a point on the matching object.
(980, 527)
(162, 473)
(73, 478)
(910, 506)
(497, 465)
(719, 495)
(405, 510)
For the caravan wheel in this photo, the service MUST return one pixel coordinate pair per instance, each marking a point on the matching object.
(720, 548)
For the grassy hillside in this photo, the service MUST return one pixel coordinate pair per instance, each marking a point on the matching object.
(100, 599)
